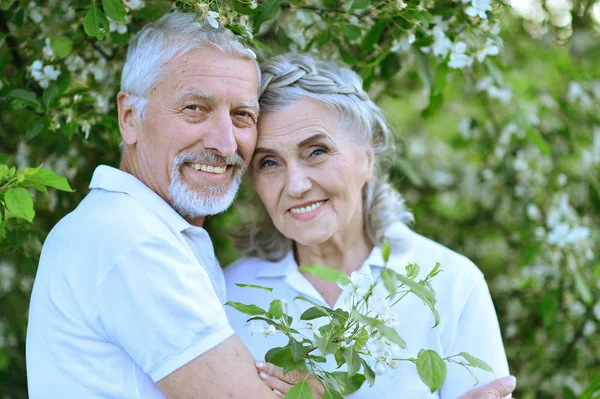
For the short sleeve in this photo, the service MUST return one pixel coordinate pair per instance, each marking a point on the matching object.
(477, 332)
(158, 304)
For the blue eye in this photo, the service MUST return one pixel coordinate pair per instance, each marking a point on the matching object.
(317, 152)
(268, 164)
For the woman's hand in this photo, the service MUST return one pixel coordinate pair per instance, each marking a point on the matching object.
(280, 384)
(496, 389)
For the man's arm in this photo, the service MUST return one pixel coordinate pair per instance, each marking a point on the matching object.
(225, 371)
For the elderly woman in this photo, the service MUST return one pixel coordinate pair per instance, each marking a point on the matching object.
(320, 171)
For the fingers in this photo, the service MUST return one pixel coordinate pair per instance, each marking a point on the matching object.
(275, 384)
(291, 378)
(496, 389)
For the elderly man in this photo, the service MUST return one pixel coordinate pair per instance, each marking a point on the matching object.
(127, 299)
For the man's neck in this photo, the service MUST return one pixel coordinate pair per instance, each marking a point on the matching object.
(129, 165)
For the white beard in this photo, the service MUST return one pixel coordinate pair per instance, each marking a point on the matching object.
(213, 199)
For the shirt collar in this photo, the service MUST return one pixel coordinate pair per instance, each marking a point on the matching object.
(398, 235)
(115, 180)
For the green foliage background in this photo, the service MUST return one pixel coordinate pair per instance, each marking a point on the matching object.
(489, 177)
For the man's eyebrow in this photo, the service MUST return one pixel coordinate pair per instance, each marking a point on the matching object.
(251, 105)
(312, 139)
(197, 94)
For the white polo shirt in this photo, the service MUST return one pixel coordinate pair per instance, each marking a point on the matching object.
(126, 292)
(468, 321)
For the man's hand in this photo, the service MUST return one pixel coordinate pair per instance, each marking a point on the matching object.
(280, 384)
(496, 389)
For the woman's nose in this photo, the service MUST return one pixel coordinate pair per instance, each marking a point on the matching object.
(298, 182)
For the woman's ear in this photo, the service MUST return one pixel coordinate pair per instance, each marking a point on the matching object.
(370, 161)
(129, 121)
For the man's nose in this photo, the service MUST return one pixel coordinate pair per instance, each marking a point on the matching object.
(221, 136)
(298, 182)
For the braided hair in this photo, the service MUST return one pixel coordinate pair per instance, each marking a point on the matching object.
(290, 78)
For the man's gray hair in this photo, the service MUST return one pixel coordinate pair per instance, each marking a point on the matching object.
(290, 78)
(171, 36)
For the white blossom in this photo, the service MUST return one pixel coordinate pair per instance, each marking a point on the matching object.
(401, 4)
(134, 4)
(479, 8)
(458, 57)
(489, 48)
(35, 12)
(119, 26)
(43, 74)
(360, 283)
(597, 311)
(441, 44)
(74, 63)
(212, 19)
(259, 327)
(47, 52)
(7, 276)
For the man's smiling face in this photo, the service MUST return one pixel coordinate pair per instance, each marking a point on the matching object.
(198, 131)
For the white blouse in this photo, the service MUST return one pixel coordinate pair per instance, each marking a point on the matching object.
(468, 321)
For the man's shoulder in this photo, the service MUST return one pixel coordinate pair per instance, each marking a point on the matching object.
(243, 269)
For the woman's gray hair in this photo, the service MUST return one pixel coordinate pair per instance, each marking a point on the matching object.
(290, 78)
(171, 36)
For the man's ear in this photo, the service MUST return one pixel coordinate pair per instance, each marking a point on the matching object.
(129, 121)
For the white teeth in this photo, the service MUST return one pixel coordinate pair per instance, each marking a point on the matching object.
(209, 168)
(305, 209)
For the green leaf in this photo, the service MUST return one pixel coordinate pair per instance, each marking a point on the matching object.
(325, 345)
(582, 288)
(351, 383)
(352, 360)
(34, 128)
(332, 394)
(591, 390)
(407, 169)
(347, 57)
(361, 339)
(536, 139)
(50, 96)
(389, 280)
(434, 272)
(266, 11)
(351, 32)
(6, 4)
(27, 96)
(360, 4)
(260, 287)
(436, 94)
(326, 273)
(549, 307)
(275, 309)
(47, 178)
(476, 362)
(390, 66)
(95, 23)
(61, 46)
(413, 270)
(431, 369)
(388, 332)
(386, 250)
(369, 373)
(297, 349)
(114, 9)
(314, 313)
(251, 310)
(4, 158)
(372, 37)
(19, 202)
(299, 391)
(275, 352)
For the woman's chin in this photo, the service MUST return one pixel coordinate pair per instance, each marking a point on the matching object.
(309, 239)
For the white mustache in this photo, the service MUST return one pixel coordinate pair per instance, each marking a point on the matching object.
(207, 157)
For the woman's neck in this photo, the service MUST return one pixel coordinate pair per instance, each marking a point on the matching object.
(345, 251)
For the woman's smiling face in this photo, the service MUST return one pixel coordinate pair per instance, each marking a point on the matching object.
(309, 173)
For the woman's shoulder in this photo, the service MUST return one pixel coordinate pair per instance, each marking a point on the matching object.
(427, 253)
